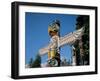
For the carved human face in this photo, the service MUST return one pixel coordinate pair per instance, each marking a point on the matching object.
(52, 33)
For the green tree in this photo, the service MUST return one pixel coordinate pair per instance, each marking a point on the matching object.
(83, 21)
(30, 62)
(37, 62)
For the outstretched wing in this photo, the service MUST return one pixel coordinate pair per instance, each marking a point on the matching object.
(71, 37)
(67, 39)
(44, 50)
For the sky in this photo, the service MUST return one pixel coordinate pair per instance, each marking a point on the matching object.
(36, 33)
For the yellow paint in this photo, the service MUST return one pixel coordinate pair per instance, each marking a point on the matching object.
(51, 54)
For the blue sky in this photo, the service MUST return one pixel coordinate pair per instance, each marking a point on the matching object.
(36, 33)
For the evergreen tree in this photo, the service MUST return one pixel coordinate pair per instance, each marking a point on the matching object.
(37, 62)
(83, 21)
(30, 62)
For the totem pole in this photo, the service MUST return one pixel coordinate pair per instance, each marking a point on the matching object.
(54, 50)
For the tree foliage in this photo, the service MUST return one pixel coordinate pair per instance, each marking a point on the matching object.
(30, 62)
(36, 62)
(83, 21)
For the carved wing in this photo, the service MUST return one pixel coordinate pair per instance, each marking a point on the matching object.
(71, 37)
(67, 39)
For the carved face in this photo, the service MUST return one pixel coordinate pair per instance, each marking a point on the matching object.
(52, 33)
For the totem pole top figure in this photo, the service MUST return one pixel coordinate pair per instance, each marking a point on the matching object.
(55, 26)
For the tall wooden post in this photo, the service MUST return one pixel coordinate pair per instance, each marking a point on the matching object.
(73, 56)
(54, 54)
(57, 23)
